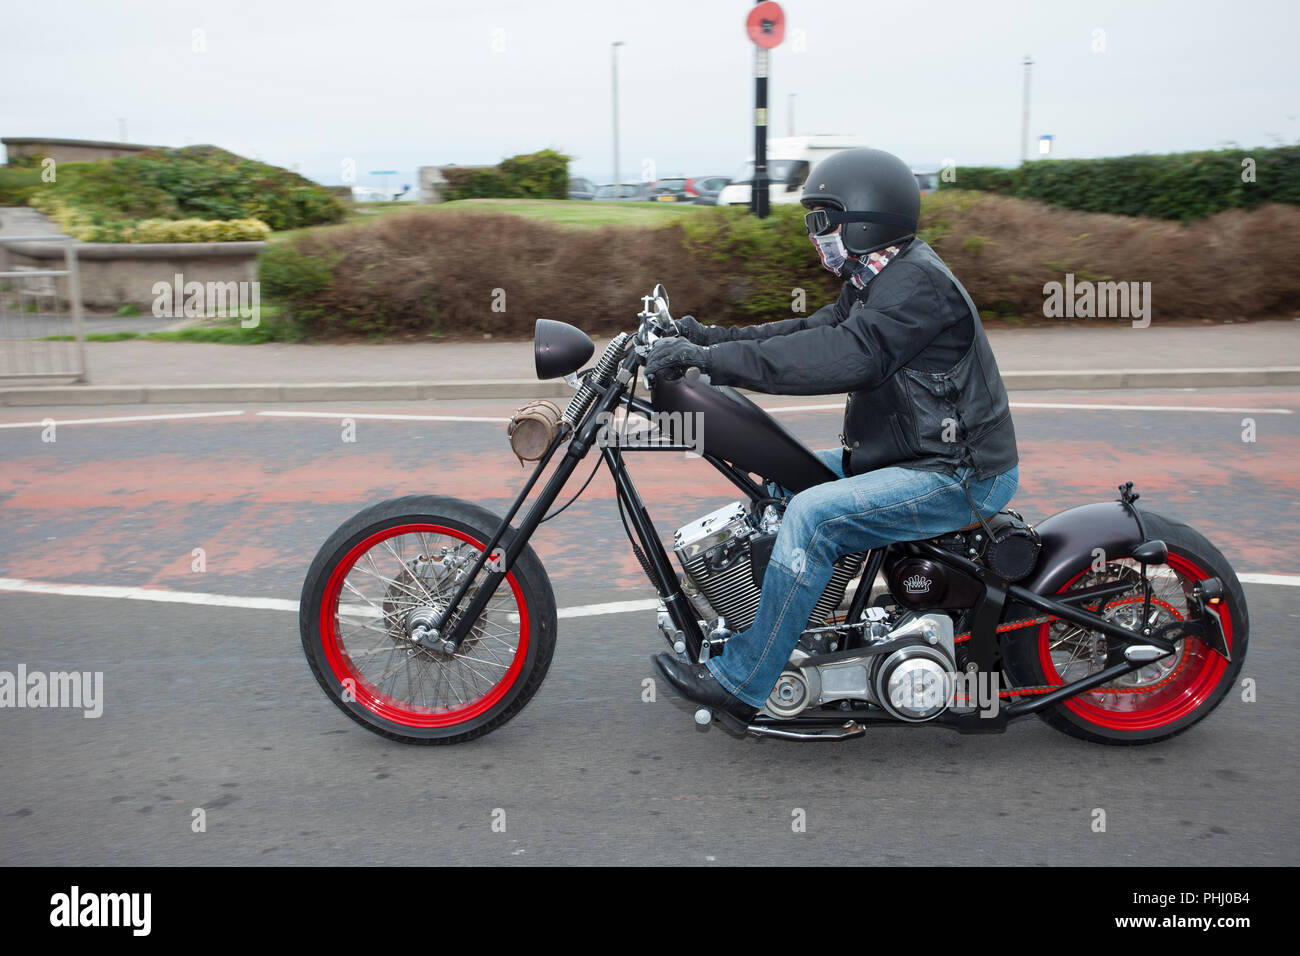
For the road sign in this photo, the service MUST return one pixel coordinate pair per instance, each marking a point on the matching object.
(766, 24)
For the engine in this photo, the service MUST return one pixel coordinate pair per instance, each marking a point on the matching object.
(910, 672)
(724, 555)
(904, 663)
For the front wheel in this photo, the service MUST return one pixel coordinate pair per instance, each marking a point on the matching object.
(1166, 696)
(389, 572)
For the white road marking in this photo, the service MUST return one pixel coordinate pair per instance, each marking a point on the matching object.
(781, 409)
(382, 417)
(1287, 580)
(1080, 406)
(1156, 408)
(279, 604)
(122, 418)
(145, 594)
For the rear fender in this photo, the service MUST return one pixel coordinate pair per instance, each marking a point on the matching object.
(1071, 538)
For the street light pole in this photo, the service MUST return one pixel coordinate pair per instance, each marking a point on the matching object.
(613, 53)
(1024, 123)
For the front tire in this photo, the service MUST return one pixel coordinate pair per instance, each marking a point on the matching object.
(1167, 696)
(384, 573)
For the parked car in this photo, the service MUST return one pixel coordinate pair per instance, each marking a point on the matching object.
(706, 189)
(622, 192)
(928, 181)
(580, 188)
(789, 160)
(670, 190)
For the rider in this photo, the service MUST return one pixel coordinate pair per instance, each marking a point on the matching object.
(927, 426)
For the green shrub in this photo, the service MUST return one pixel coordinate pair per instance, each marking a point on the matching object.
(770, 257)
(295, 279)
(18, 184)
(990, 179)
(83, 226)
(110, 200)
(1176, 186)
(541, 175)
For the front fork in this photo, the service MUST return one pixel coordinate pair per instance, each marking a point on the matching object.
(498, 562)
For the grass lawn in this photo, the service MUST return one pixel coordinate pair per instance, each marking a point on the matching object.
(562, 212)
(223, 330)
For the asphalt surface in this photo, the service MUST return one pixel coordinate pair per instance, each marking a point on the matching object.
(214, 708)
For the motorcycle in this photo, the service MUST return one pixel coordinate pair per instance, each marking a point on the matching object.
(431, 620)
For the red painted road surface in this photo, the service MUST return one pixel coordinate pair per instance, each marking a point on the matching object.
(128, 503)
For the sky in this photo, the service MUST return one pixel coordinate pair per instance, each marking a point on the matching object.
(316, 86)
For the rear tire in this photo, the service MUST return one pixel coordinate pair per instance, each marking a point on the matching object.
(1160, 700)
(384, 571)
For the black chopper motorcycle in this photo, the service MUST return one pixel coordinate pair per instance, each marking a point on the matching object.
(431, 620)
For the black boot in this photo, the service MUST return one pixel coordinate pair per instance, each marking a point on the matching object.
(697, 684)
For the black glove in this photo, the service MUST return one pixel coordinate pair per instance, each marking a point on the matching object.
(692, 331)
(675, 353)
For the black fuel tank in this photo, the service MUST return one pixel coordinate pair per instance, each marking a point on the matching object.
(737, 430)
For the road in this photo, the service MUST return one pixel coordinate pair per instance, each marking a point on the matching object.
(213, 708)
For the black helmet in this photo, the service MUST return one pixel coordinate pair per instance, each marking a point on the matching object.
(871, 183)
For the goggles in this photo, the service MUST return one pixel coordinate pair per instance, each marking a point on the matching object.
(821, 221)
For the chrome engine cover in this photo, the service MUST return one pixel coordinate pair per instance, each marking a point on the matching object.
(714, 551)
(909, 673)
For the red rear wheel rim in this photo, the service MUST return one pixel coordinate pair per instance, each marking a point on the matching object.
(1191, 683)
(372, 698)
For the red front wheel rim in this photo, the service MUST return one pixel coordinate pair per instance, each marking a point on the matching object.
(441, 690)
(1188, 685)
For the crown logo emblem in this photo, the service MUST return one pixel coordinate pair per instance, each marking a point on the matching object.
(916, 584)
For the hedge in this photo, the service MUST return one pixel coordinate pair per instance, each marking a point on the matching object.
(474, 273)
(1176, 186)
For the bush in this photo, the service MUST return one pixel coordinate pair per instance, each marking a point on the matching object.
(429, 275)
(1176, 186)
(200, 186)
(1234, 264)
(762, 262)
(542, 175)
(18, 184)
(992, 179)
(82, 226)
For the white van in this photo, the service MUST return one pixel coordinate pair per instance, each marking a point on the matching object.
(789, 160)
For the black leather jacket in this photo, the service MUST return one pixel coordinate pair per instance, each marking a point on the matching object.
(924, 388)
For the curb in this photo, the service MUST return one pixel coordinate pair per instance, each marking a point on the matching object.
(531, 388)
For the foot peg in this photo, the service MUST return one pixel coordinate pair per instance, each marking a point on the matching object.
(715, 640)
(850, 728)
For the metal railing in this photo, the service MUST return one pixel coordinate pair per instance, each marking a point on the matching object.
(42, 328)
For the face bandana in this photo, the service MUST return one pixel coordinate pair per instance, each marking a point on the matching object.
(835, 258)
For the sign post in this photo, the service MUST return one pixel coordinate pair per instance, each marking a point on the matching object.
(766, 28)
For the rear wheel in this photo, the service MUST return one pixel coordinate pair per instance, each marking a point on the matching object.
(387, 574)
(1168, 695)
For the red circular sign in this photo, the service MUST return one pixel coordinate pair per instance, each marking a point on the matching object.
(766, 24)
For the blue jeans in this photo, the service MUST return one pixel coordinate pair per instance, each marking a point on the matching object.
(835, 518)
